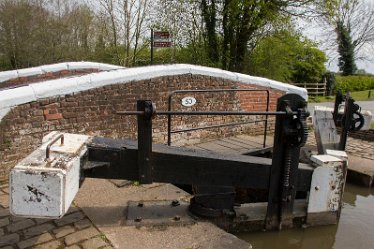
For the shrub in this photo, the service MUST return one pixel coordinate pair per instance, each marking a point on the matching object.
(354, 83)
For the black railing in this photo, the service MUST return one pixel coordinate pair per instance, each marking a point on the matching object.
(170, 132)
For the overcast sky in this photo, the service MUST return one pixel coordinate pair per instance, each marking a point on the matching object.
(315, 32)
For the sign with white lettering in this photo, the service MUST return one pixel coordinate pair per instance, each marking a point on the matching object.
(162, 39)
(188, 101)
(157, 44)
(159, 35)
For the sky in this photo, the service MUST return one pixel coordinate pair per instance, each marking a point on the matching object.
(314, 31)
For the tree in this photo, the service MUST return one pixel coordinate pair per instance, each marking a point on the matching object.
(346, 50)
(182, 20)
(33, 33)
(127, 25)
(352, 21)
(285, 55)
(241, 22)
(20, 32)
(209, 14)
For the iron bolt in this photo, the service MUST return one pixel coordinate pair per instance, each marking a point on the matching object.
(138, 219)
(175, 203)
(243, 216)
(316, 188)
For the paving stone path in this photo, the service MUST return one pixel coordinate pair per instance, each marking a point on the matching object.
(356, 147)
(75, 230)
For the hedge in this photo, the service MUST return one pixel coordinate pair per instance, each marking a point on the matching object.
(354, 83)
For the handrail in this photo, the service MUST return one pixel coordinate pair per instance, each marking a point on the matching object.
(169, 132)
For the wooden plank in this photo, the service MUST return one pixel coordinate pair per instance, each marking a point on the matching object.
(246, 141)
(237, 143)
(212, 146)
(325, 130)
(237, 149)
(249, 145)
(258, 140)
(195, 147)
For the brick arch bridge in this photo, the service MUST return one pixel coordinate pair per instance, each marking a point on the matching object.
(88, 103)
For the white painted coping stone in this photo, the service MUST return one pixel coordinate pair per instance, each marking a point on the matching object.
(8, 75)
(59, 87)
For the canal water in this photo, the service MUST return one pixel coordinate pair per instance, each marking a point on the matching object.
(355, 228)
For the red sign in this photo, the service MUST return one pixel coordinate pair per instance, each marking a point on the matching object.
(161, 44)
(158, 35)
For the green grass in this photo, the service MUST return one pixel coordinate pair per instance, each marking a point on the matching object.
(318, 99)
(363, 95)
(357, 96)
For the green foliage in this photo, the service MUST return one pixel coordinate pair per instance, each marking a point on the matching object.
(209, 17)
(309, 64)
(287, 56)
(346, 48)
(357, 96)
(330, 82)
(271, 58)
(4, 63)
(354, 83)
(31, 34)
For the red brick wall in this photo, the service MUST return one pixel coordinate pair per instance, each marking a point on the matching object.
(93, 112)
(43, 77)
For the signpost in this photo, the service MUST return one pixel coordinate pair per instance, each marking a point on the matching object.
(160, 39)
(159, 35)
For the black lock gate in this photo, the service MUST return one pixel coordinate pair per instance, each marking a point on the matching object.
(282, 175)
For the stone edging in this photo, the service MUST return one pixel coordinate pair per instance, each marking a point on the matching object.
(58, 87)
(13, 74)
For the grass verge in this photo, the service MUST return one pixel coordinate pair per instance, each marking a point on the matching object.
(357, 96)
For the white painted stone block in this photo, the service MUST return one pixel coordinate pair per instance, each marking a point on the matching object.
(326, 160)
(368, 118)
(327, 184)
(46, 189)
(341, 154)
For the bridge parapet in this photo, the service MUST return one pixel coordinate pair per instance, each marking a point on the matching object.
(88, 105)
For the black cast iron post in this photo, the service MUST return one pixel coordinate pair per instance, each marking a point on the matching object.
(290, 135)
(145, 140)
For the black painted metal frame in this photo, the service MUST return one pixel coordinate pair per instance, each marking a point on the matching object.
(345, 120)
(142, 161)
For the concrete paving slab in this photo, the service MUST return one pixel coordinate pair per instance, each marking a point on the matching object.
(360, 170)
(105, 205)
